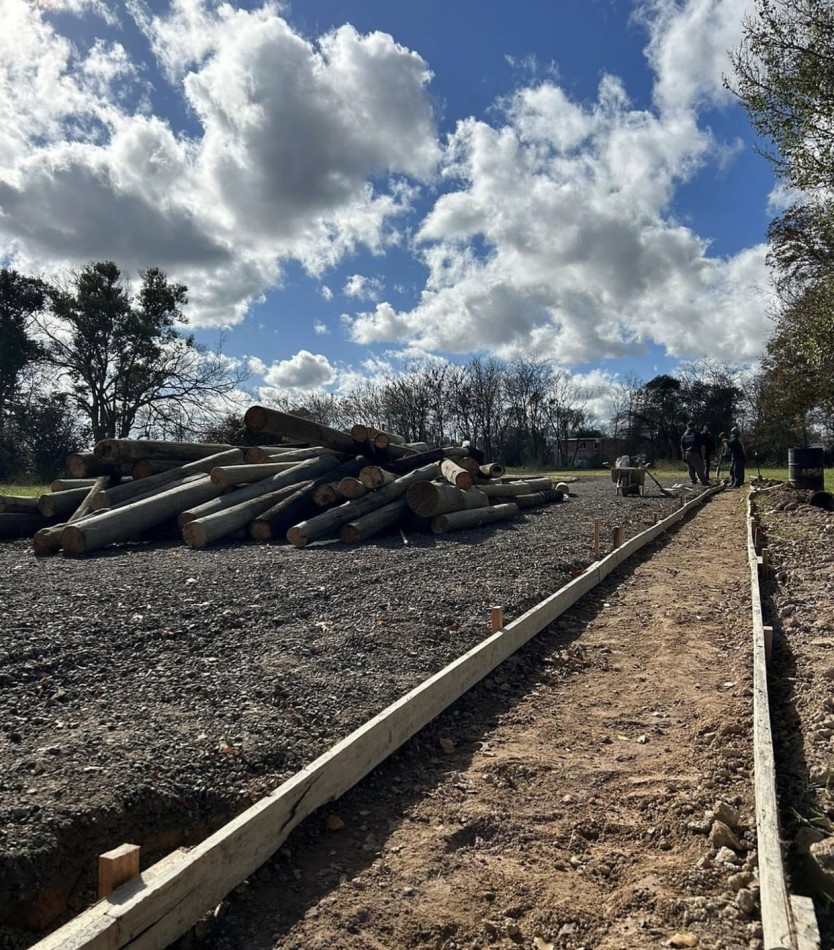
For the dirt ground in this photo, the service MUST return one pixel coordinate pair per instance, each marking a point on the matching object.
(594, 792)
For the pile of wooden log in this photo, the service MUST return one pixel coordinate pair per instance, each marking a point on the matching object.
(314, 482)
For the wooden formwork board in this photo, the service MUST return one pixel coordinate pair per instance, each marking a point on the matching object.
(786, 920)
(160, 905)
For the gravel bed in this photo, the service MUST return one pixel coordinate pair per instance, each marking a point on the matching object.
(151, 691)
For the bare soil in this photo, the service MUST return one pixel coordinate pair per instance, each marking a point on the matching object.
(568, 801)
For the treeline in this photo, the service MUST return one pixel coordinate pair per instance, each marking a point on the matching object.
(784, 77)
(90, 359)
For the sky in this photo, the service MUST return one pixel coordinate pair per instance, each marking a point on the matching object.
(346, 186)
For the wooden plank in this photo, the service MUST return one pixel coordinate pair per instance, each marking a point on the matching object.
(805, 922)
(117, 867)
(178, 891)
(777, 922)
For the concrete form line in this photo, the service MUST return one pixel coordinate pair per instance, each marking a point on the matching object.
(153, 910)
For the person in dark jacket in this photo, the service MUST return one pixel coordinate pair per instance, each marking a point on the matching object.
(692, 450)
(708, 442)
(739, 456)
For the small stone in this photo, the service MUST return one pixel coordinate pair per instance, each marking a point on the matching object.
(737, 881)
(746, 902)
(726, 813)
(721, 836)
(682, 940)
(333, 823)
(447, 745)
(726, 856)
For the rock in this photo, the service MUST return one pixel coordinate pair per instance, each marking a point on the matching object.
(726, 813)
(746, 902)
(333, 823)
(447, 745)
(726, 856)
(721, 836)
(737, 881)
(683, 940)
(821, 858)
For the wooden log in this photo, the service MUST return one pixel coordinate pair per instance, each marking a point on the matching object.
(470, 465)
(428, 499)
(227, 476)
(59, 504)
(375, 476)
(275, 522)
(19, 504)
(258, 454)
(351, 487)
(509, 489)
(63, 484)
(88, 465)
(409, 463)
(199, 532)
(301, 471)
(372, 523)
(359, 433)
(492, 470)
(474, 518)
(331, 520)
(132, 450)
(233, 517)
(144, 468)
(327, 494)
(275, 422)
(20, 524)
(48, 540)
(539, 498)
(455, 475)
(138, 516)
(119, 494)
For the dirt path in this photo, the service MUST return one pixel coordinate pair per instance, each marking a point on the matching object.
(568, 801)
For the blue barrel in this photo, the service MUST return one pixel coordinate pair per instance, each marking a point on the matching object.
(805, 468)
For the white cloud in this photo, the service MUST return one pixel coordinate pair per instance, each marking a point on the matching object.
(364, 288)
(320, 329)
(299, 150)
(305, 370)
(581, 255)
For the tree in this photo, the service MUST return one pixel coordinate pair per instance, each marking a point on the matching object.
(21, 299)
(784, 76)
(124, 357)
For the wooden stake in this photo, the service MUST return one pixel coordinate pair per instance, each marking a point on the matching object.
(768, 643)
(618, 536)
(497, 619)
(596, 537)
(117, 867)
(764, 560)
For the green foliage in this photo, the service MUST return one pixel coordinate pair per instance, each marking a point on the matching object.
(128, 365)
(21, 298)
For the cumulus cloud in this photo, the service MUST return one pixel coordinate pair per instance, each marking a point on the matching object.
(305, 370)
(581, 255)
(300, 149)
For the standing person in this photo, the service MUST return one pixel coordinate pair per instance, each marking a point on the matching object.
(725, 457)
(736, 447)
(708, 442)
(692, 450)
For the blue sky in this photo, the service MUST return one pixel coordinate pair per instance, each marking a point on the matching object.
(345, 185)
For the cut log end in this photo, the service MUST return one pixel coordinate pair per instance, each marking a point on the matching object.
(73, 540)
(194, 535)
(296, 536)
(260, 531)
(255, 418)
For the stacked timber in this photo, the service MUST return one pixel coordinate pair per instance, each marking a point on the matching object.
(313, 482)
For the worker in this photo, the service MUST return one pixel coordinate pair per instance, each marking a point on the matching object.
(473, 452)
(692, 450)
(708, 442)
(739, 456)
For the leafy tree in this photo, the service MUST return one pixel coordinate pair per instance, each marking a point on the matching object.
(21, 299)
(784, 76)
(124, 356)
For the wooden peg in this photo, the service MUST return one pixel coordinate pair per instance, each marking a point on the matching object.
(596, 537)
(117, 867)
(497, 618)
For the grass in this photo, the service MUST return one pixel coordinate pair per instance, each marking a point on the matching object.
(13, 488)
